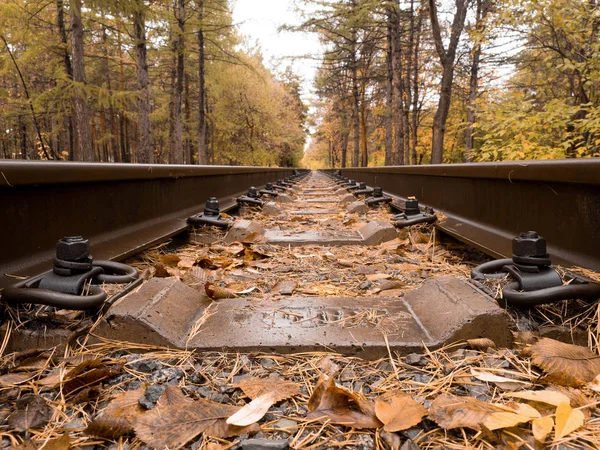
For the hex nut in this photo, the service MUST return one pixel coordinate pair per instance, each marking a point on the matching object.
(529, 244)
(72, 248)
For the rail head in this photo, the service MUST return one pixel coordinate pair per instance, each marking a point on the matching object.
(33, 173)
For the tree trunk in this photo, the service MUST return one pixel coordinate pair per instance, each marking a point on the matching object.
(447, 60)
(363, 129)
(399, 129)
(108, 122)
(82, 148)
(473, 84)
(62, 31)
(202, 141)
(355, 104)
(344, 141)
(145, 145)
(415, 109)
(176, 125)
(389, 95)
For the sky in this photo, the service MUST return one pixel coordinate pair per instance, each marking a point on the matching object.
(259, 21)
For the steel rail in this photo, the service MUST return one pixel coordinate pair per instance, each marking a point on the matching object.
(487, 204)
(120, 208)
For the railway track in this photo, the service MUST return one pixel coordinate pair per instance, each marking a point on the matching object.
(223, 277)
(124, 210)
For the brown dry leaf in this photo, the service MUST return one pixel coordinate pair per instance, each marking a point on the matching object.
(256, 387)
(87, 395)
(119, 417)
(161, 271)
(398, 411)
(172, 396)
(542, 427)
(327, 366)
(31, 411)
(481, 344)
(60, 443)
(567, 420)
(251, 254)
(253, 411)
(186, 263)
(389, 285)
(217, 292)
(11, 379)
(169, 259)
(392, 440)
(378, 276)
(175, 425)
(565, 364)
(340, 406)
(545, 396)
(86, 374)
(285, 287)
(449, 411)
(522, 338)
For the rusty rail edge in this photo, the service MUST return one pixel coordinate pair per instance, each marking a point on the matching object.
(487, 204)
(121, 208)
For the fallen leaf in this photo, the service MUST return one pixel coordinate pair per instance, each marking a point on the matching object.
(449, 411)
(285, 287)
(87, 395)
(175, 425)
(546, 396)
(542, 427)
(169, 259)
(398, 411)
(389, 285)
(481, 344)
(378, 276)
(522, 338)
(565, 364)
(246, 291)
(341, 406)
(119, 417)
(392, 440)
(186, 263)
(60, 443)
(161, 271)
(31, 411)
(567, 420)
(506, 419)
(253, 411)
(508, 384)
(594, 385)
(86, 374)
(11, 379)
(256, 387)
(217, 292)
(172, 396)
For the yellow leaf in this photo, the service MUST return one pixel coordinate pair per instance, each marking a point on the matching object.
(542, 427)
(549, 397)
(496, 421)
(567, 420)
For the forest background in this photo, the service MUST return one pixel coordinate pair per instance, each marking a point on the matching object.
(399, 82)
